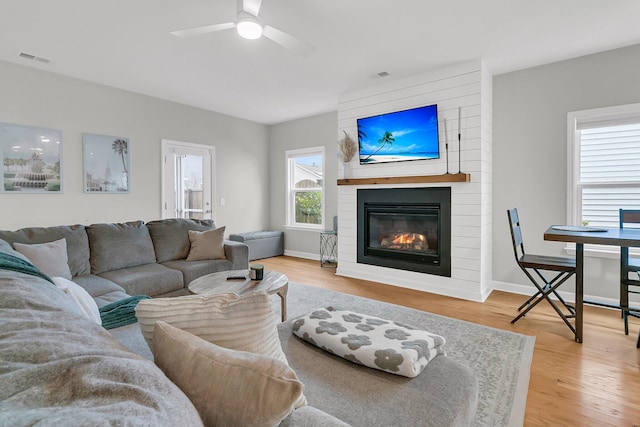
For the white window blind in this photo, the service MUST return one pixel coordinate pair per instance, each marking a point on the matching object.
(609, 169)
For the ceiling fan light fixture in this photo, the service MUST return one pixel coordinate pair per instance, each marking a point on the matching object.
(249, 27)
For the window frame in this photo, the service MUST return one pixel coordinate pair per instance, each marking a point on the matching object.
(290, 156)
(597, 117)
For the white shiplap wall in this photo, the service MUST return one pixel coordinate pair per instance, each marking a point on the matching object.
(467, 85)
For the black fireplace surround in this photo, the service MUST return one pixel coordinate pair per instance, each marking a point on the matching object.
(406, 228)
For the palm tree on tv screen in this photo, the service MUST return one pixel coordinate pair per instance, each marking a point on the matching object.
(387, 138)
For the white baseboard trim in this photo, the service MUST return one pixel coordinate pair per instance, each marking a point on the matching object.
(513, 288)
(305, 255)
(530, 290)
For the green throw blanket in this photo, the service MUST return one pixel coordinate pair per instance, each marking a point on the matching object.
(120, 313)
(13, 263)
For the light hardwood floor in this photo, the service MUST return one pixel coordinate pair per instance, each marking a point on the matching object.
(596, 383)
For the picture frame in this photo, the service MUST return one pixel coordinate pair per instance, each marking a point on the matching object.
(106, 164)
(31, 159)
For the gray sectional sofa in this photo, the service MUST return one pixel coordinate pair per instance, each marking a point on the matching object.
(115, 260)
(58, 368)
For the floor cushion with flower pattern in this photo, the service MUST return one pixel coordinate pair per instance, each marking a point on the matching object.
(371, 341)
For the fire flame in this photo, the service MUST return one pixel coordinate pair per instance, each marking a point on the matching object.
(408, 239)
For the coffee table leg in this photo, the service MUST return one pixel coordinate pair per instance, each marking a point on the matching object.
(282, 293)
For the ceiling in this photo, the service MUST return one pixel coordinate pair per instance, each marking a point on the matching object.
(126, 44)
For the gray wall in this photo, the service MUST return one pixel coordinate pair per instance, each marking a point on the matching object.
(303, 133)
(530, 152)
(38, 98)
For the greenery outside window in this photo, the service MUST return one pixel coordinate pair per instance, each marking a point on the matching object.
(305, 188)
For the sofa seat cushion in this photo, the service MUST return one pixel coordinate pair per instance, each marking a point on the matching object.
(193, 269)
(60, 369)
(147, 279)
(170, 236)
(119, 245)
(75, 235)
(102, 290)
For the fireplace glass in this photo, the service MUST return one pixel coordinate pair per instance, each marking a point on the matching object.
(406, 229)
(407, 233)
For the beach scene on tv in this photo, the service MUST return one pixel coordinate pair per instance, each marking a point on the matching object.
(399, 136)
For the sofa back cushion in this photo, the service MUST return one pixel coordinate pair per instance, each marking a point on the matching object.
(171, 236)
(119, 245)
(75, 235)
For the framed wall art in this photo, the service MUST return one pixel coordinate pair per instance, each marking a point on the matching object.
(106, 164)
(31, 159)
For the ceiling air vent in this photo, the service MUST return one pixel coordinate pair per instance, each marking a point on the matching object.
(34, 57)
(380, 75)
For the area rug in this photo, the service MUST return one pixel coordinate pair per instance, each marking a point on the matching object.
(500, 359)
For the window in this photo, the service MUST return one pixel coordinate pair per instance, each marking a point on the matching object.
(305, 188)
(604, 158)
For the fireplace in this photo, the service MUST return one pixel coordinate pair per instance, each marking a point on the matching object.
(405, 228)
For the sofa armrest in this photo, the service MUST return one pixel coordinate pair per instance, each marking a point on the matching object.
(237, 253)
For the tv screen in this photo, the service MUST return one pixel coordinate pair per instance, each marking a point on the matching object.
(399, 136)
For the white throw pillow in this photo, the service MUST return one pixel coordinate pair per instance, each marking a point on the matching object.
(243, 323)
(81, 297)
(51, 258)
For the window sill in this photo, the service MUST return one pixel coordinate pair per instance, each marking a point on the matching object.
(315, 228)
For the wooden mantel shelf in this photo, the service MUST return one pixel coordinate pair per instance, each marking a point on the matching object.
(420, 179)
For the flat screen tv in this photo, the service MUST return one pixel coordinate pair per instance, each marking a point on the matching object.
(399, 136)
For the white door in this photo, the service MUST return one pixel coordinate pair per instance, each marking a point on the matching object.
(187, 180)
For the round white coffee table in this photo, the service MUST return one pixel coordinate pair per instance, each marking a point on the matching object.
(217, 283)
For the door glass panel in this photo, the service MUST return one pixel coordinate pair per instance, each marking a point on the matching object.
(190, 186)
(187, 180)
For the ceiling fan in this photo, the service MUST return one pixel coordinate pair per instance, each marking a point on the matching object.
(250, 26)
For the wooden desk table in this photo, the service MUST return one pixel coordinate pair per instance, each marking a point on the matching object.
(611, 236)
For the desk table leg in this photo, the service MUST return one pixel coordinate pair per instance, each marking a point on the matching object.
(579, 289)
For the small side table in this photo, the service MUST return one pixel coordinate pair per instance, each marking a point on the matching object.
(328, 248)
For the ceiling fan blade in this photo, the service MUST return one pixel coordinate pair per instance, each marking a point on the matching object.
(203, 30)
(249, 6)
(300, 47)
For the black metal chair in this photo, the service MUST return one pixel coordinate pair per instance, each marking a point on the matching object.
(533, 265)
(629, 272)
